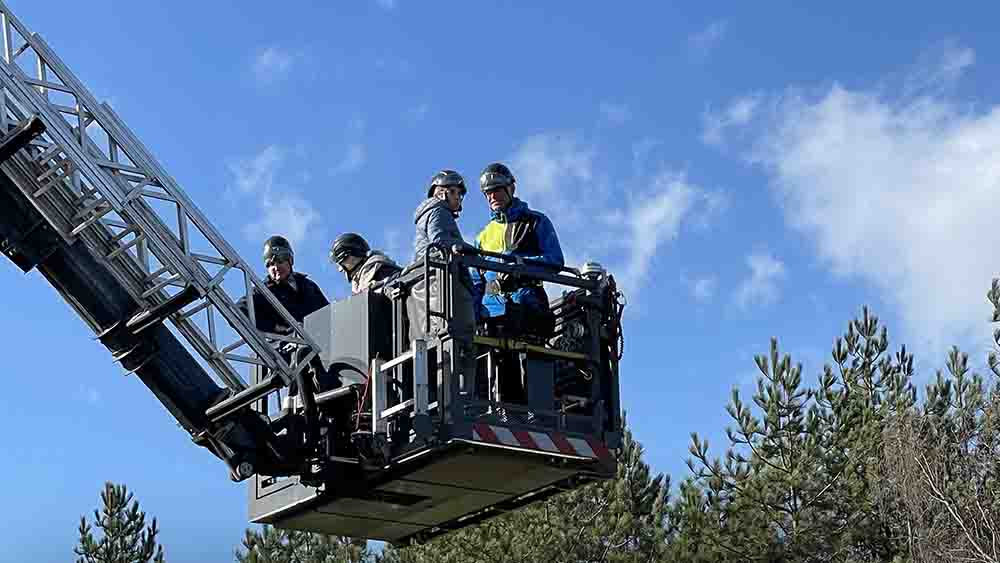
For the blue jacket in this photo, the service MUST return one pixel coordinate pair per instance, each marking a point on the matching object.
(435, 223)
(518, 231)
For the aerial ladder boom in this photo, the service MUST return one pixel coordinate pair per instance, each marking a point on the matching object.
(81, 201)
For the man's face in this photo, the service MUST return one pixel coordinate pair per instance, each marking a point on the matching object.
(348, 263)
(279, 269)
(498, 198)
(452, 197)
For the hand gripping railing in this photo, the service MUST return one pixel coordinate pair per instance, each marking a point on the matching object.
(94, 181)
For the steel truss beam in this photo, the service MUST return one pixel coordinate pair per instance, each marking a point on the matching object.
(95, 182)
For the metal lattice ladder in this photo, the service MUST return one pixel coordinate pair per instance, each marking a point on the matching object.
(95, 182)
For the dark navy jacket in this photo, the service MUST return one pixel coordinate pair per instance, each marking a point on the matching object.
(301, 300)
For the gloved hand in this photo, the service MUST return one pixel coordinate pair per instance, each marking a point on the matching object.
(507, 283)
(463, 248)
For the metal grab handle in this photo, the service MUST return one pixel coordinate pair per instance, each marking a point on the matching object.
(529, 261)
(446, 252)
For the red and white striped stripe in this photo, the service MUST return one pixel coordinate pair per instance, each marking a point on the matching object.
(542, 441)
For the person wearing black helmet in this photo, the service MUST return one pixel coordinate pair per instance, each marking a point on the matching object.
(520, 232)
(435, 218)
(299, 294)
(511, 304)
(362, 266)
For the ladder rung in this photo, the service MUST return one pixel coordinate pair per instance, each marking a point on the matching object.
(95, 218)
(55, 169)
(44, 189)
(232, 347)
(160, 285)
(48, 85)
(136, 190)
(47, 153)
(161, 312)
(157, 273)
(243, 399)
(114, 253)
(70, 110)
(195, 310)
(209, 259)
(105, 163)
(92, 206)
(125, 233)
(159, 195)
(244, 359)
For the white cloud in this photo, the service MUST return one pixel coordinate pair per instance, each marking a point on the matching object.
(280, 210)
(761, 286)
(615, 114)
(656, 220)
(273, 63)
(938, 69)
(898, 192)
(257, 174)
(286, 214)
(738, 113)
(703, 42)
(625, 225)
(550, 163)
(353, 160)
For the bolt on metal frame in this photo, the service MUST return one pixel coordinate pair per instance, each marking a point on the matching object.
(94, 181)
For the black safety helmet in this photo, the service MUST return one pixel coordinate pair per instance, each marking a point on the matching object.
(278, 247)
(495, 176)
(446, 178)
(348, 244)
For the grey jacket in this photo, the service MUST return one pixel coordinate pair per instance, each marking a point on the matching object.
(375, 268)
(435, 224)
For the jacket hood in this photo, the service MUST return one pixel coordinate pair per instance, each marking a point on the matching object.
(375, 259)
(378, 257)
(514, 212)
(427, 205)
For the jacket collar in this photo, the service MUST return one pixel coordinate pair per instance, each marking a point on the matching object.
(292, 281)
(514, 212)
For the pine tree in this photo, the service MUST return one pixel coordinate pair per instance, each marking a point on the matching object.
(125, 536)
(271, 545)
(796, 481)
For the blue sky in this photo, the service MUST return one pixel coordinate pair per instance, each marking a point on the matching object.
(746, 173)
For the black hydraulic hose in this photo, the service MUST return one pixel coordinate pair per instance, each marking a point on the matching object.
(25, 131)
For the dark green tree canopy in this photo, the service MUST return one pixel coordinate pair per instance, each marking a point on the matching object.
(125, 537)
